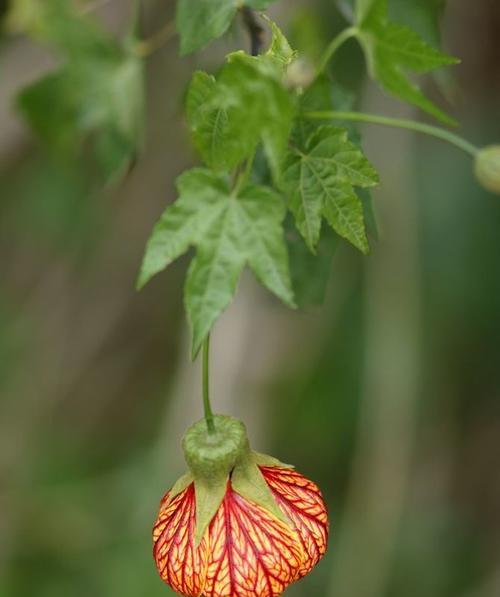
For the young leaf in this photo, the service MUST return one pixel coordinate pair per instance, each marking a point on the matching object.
(219, 143)
(229, 229)
(259, 106)
(319, 183)
(201, 21)
(225, 129)
(391, 50)
(280, 49)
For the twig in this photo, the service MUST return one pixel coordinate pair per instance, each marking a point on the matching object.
(255, 30)
(148, 46)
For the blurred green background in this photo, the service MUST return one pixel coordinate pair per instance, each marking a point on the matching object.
(387, 395)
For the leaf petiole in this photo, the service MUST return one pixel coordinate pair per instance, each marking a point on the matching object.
(411, 125)
(334, 45)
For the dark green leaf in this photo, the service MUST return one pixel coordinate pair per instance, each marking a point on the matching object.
(229, 229)
(310, 273)
(392, 50)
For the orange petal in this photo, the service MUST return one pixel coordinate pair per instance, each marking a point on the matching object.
(180, 564)
(301, 500)
(251, 553)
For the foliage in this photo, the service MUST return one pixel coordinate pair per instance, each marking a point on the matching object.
(253, 106)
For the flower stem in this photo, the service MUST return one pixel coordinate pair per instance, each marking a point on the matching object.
(410, 125)
(334, 45)
(209, 416)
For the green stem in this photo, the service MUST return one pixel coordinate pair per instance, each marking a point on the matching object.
(209, 416)
(411, 125)
(334, 45)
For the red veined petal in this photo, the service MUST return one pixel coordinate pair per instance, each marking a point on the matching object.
(251, 553)
(180, 564)
(301, 500)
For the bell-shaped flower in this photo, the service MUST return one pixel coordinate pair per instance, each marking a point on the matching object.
(239, 524)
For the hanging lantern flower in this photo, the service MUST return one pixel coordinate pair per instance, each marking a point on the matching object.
(239, 523)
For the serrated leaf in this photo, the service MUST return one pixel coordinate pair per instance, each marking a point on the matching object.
(230, 229)
(392, 50)
(247, 81)
(201, 21)
(219, 143)
(225, 130)
(280, 49)
(319, 183)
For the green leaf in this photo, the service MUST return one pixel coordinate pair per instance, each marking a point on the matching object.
(422, 17)
(392, 50)
(319, 183)
(57, 22)
(225, 130)
(230, 229)
(100, 97)
(96, 95)
(258, 104)
(219, 143)
(201, 21)
(280, 49)
(310, 273)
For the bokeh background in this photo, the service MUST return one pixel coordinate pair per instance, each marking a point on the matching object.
(388, 395)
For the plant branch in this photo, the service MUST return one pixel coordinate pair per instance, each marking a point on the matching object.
(146, 47)
(334, 45)
(254, 28)
(411, 125)
(209, 416)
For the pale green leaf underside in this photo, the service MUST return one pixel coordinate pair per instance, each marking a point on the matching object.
(229, 232)
(319, 183)
(393, 50)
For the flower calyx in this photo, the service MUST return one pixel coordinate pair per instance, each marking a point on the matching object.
(216, 458)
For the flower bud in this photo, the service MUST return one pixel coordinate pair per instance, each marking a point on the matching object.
(239, 522)
(487, 168)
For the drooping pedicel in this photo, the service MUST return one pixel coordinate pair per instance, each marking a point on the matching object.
(246, 525)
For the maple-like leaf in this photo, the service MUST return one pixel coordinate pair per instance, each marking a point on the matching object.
(245, 105)
(392, 50)
(230, 228)
(318, 180)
